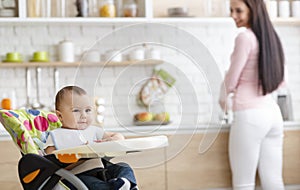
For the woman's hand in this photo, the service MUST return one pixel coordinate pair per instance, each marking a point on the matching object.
(223, 97)
(222, 104)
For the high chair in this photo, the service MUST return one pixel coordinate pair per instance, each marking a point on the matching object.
(29, 130)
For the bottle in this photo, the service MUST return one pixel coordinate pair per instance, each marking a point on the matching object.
(59, 8)
(107, 8)
(82, 8)
(129, 8)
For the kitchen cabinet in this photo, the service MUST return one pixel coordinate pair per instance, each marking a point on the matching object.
(191, 170)
(9, 166)
(188, 169)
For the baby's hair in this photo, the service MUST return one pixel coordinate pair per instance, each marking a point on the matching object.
(67, 89)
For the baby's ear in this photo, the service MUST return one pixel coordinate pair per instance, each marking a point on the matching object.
(58, 113)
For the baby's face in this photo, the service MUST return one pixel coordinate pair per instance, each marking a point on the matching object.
(76, 111)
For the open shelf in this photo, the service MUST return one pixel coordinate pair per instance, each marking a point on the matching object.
(147, 62)
(120, 20)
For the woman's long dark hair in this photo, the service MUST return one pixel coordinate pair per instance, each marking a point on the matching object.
(271, 56)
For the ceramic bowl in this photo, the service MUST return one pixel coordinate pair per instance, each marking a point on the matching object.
(13, 57)
(41, 56)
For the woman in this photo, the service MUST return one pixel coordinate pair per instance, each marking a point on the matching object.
(256, 70)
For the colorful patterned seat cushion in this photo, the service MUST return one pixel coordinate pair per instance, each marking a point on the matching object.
(29, 128)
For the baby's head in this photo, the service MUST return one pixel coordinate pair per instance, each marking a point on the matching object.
(74, 107)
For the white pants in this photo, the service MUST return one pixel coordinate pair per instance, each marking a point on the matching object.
(256, 140)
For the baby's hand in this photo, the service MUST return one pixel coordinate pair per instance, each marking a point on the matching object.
(107, 139)
(98, 141)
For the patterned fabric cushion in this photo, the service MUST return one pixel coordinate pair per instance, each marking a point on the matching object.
(29, 128)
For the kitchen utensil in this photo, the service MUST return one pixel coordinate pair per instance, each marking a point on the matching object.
(56, 80)
(28, 87)
(37, 104)
(285, 104)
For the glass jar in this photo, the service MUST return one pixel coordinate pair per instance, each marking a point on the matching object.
(129, 8)
(107, 8)
(39, 8)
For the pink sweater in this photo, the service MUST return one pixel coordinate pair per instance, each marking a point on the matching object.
(242, 76)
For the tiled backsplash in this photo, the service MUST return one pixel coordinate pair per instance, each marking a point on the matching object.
(188, 101)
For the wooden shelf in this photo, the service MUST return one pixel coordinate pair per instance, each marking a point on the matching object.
(148, 62)
(120, 20)
(286, 21)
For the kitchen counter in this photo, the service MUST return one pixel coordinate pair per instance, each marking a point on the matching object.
(180, 160)
(170, 129)
(167, 129)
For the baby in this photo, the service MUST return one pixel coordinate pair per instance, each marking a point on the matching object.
(75, 110)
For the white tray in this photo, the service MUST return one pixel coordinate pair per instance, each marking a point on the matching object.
(111, 148)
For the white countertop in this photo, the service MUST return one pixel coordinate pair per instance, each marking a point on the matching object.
(168, 129)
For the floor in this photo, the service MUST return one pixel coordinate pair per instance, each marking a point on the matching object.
(289, 187)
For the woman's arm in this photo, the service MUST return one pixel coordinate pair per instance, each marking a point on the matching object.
(239, 57)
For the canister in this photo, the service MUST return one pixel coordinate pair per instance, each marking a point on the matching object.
(296, 8)
(284, 8)
(66, 51)
(273, 6)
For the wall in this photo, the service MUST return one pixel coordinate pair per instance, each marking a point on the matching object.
(188, 102)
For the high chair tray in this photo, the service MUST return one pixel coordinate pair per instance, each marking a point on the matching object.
(110, 148)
